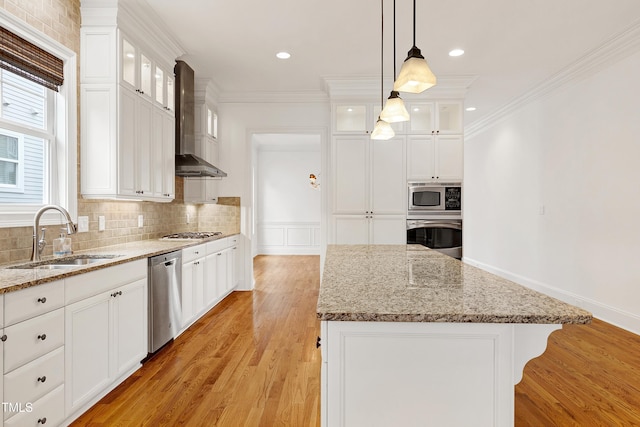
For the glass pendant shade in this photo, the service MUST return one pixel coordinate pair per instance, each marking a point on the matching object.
(382, 130)
(394, 110)
(415, 75)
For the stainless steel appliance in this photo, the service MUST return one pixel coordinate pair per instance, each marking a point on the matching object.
(187, 163)
(191, 235)
(165, 290)
(434, 198)
(443, 235)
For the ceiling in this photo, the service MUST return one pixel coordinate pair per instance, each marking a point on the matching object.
(511, 45)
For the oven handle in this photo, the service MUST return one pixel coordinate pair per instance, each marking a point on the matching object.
(434, 224)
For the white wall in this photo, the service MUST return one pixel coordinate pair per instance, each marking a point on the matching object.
(237, 123)
(288, 208)
(575, 152)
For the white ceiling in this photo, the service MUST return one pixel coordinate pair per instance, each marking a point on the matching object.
(511, 45)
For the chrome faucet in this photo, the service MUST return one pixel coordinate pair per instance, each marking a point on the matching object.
(39, 244)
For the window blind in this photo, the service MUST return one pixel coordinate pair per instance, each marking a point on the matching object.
(29, 61)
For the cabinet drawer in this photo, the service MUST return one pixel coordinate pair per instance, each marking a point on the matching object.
(32, 381)
(48, 410)
(93, 283)
(194, 252)
(31, 302)
(33, 338)
(216, 246)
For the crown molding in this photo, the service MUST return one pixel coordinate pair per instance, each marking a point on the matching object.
(136, 18)
(368, 87)
(273, 97)
(609, 52)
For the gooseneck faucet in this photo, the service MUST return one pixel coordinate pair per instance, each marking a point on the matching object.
(39, 244)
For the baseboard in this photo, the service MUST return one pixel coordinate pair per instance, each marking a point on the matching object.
(288, 250)
(613, 315)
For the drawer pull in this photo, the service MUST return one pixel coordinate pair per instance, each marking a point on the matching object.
(42, 337)
(42, 379)
(42, 420)
(42, 300)
(3, 338)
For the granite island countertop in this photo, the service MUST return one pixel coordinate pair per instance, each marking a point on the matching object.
(411, 283)
(13, 279)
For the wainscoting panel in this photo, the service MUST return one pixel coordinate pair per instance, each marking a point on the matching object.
(280, 238)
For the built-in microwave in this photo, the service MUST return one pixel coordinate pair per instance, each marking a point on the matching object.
(434, 197)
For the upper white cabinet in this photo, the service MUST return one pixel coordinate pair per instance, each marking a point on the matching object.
(359, 118)
(435, 158)
(127, 101)
(439, 117)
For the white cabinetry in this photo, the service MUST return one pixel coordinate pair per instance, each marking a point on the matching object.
(436, 117)
(369, 190)
(127, 117)
(193, 270)
(105, 331)
(435, 158)
(33, 355)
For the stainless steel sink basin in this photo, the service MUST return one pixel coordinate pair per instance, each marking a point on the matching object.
(68, 262)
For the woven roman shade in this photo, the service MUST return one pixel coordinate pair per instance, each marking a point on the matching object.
(29, 61)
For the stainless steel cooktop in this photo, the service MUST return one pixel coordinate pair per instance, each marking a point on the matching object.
(191, 235)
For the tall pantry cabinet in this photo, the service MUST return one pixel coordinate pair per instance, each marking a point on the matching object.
(369, 177)
(127, 105)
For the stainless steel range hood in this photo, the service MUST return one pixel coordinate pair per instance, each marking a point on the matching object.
(187, 163)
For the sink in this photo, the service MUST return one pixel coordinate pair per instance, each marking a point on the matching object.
(68, 262)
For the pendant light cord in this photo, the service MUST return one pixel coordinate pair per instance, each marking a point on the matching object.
(414, 22)
(382, 54)
(394, 40)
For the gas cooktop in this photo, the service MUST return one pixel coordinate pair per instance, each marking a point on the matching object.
(191, 235)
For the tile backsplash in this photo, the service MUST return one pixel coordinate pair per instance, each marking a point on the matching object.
(60, 20)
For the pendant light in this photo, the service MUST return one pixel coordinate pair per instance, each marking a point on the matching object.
(382, 129)
(394, 110)
(415, 75)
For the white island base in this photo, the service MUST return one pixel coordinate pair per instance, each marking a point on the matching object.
(424, 373)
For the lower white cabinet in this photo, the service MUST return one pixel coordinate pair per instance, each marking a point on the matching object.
(106, 337)
(193, 270)
(48, 410)
(370, 229)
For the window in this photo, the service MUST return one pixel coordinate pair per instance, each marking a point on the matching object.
(26, 135)
(212, 123)
(38, 127)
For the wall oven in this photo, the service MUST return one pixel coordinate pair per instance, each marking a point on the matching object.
(442, 235)
(427, 198)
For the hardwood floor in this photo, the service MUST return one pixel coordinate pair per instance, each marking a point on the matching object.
(252, 361)
(588, 376)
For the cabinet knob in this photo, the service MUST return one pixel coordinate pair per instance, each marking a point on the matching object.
(42, 300)
(42, 379)
(3, 338)
(42, 420)
(42, 337)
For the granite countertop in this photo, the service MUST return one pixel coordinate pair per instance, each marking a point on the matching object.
(411, 283)
(13, 279)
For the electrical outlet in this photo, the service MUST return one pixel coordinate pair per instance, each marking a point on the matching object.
(188, 218)
(101, 223)
(83, 224)
(140, 221)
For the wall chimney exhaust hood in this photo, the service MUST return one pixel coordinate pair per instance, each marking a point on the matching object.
(187, 163)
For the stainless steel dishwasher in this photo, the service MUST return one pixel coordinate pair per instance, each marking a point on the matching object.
(165, 289)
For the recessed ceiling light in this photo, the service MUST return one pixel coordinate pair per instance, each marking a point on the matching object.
(470, 109)
(456, 52)
(283, 55)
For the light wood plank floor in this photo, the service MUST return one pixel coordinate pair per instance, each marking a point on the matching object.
(252, 361)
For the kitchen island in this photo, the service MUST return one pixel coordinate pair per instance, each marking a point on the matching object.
(412, 337)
